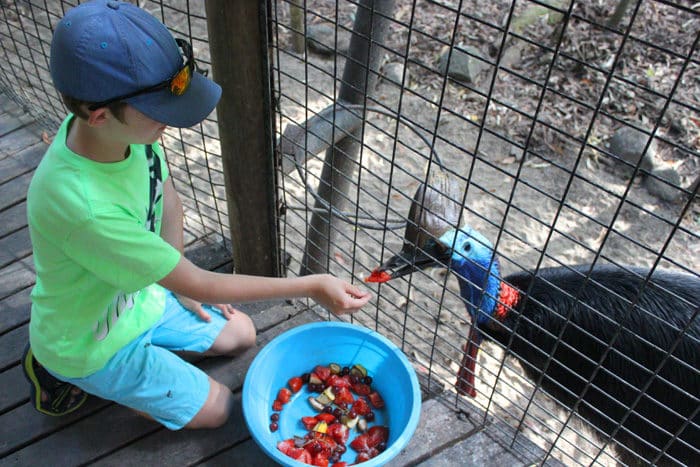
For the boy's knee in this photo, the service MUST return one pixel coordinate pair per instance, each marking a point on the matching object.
(217, 408)
(248, 333)
(237, 336)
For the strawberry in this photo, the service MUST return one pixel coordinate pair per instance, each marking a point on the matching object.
(286, 446)
(344, 396)
(323, 372)
(325, 417)
(378, 276)
(361, 407)
(277, 405)
(336, 381)
(304, 456)
(339, 432)
(360, 443)
(309, 422)
(362, 457)
(295, 384)
(320, 460)
(376, 435)
(284, 395)
(361, 389)
(340, 464)
(376, 400)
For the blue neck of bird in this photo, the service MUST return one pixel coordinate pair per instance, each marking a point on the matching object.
(480, 288)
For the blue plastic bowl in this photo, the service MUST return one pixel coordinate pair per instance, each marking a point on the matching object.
(298, 351)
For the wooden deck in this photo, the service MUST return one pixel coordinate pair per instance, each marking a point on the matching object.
(104, 433)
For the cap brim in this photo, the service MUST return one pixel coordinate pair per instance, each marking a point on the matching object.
(183, 111)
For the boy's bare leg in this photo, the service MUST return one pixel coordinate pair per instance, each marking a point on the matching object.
(216, 409)
(236, 337)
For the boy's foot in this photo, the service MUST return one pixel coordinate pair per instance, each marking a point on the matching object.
(49, 395)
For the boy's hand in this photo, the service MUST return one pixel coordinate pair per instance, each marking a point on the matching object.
(196, 307)
(338, 296)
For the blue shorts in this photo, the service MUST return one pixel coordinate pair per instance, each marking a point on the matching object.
(147, 376)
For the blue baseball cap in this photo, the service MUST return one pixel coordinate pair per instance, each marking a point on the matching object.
(104, 49)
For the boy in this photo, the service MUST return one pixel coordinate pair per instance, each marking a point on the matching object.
(114, 295)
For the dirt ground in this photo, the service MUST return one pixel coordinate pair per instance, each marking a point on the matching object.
(562, 205)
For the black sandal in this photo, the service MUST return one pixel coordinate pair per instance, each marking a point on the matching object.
(49, 395)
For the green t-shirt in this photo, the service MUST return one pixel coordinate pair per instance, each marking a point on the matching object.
(96, 262)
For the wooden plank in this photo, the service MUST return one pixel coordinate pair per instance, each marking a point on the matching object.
(19, 139)
(14, 311)
(15, 389)
(24, 161)
(10, 122)
(15, 190)
(17, 276)
(439, 426)
(13, 218)
(15, 246)
(247, 453)
(98, 434)
(13, 343)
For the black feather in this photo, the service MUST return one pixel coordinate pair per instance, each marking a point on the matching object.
(606, 308)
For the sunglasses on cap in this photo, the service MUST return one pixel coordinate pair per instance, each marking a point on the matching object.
(177, 84)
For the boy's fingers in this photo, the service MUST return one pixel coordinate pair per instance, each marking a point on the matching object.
(202, 314)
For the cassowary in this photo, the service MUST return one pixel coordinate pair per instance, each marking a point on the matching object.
(620, 349)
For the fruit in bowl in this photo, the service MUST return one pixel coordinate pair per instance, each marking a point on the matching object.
(285, 411)
(346, 402)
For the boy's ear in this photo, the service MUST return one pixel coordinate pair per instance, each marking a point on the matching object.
(98, 117)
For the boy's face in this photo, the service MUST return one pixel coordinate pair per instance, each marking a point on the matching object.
(136, 128)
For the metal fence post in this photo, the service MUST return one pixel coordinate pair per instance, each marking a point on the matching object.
(238, 44)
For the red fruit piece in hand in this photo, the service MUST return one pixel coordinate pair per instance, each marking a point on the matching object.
(295, 384)
(284, 395)
(376, 400)
(378, 276)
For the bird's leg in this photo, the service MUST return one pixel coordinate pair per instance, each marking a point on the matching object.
(465, 376)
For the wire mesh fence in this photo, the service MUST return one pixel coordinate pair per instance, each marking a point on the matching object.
(193, 154)
(557, 124)
(565, 133)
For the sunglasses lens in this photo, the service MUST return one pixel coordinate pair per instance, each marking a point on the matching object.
(181, 81)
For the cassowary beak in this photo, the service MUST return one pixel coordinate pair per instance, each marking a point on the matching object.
(410, 259)
(433, 211)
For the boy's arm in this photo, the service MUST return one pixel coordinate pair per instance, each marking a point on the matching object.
(171, 229)
(334, 294)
